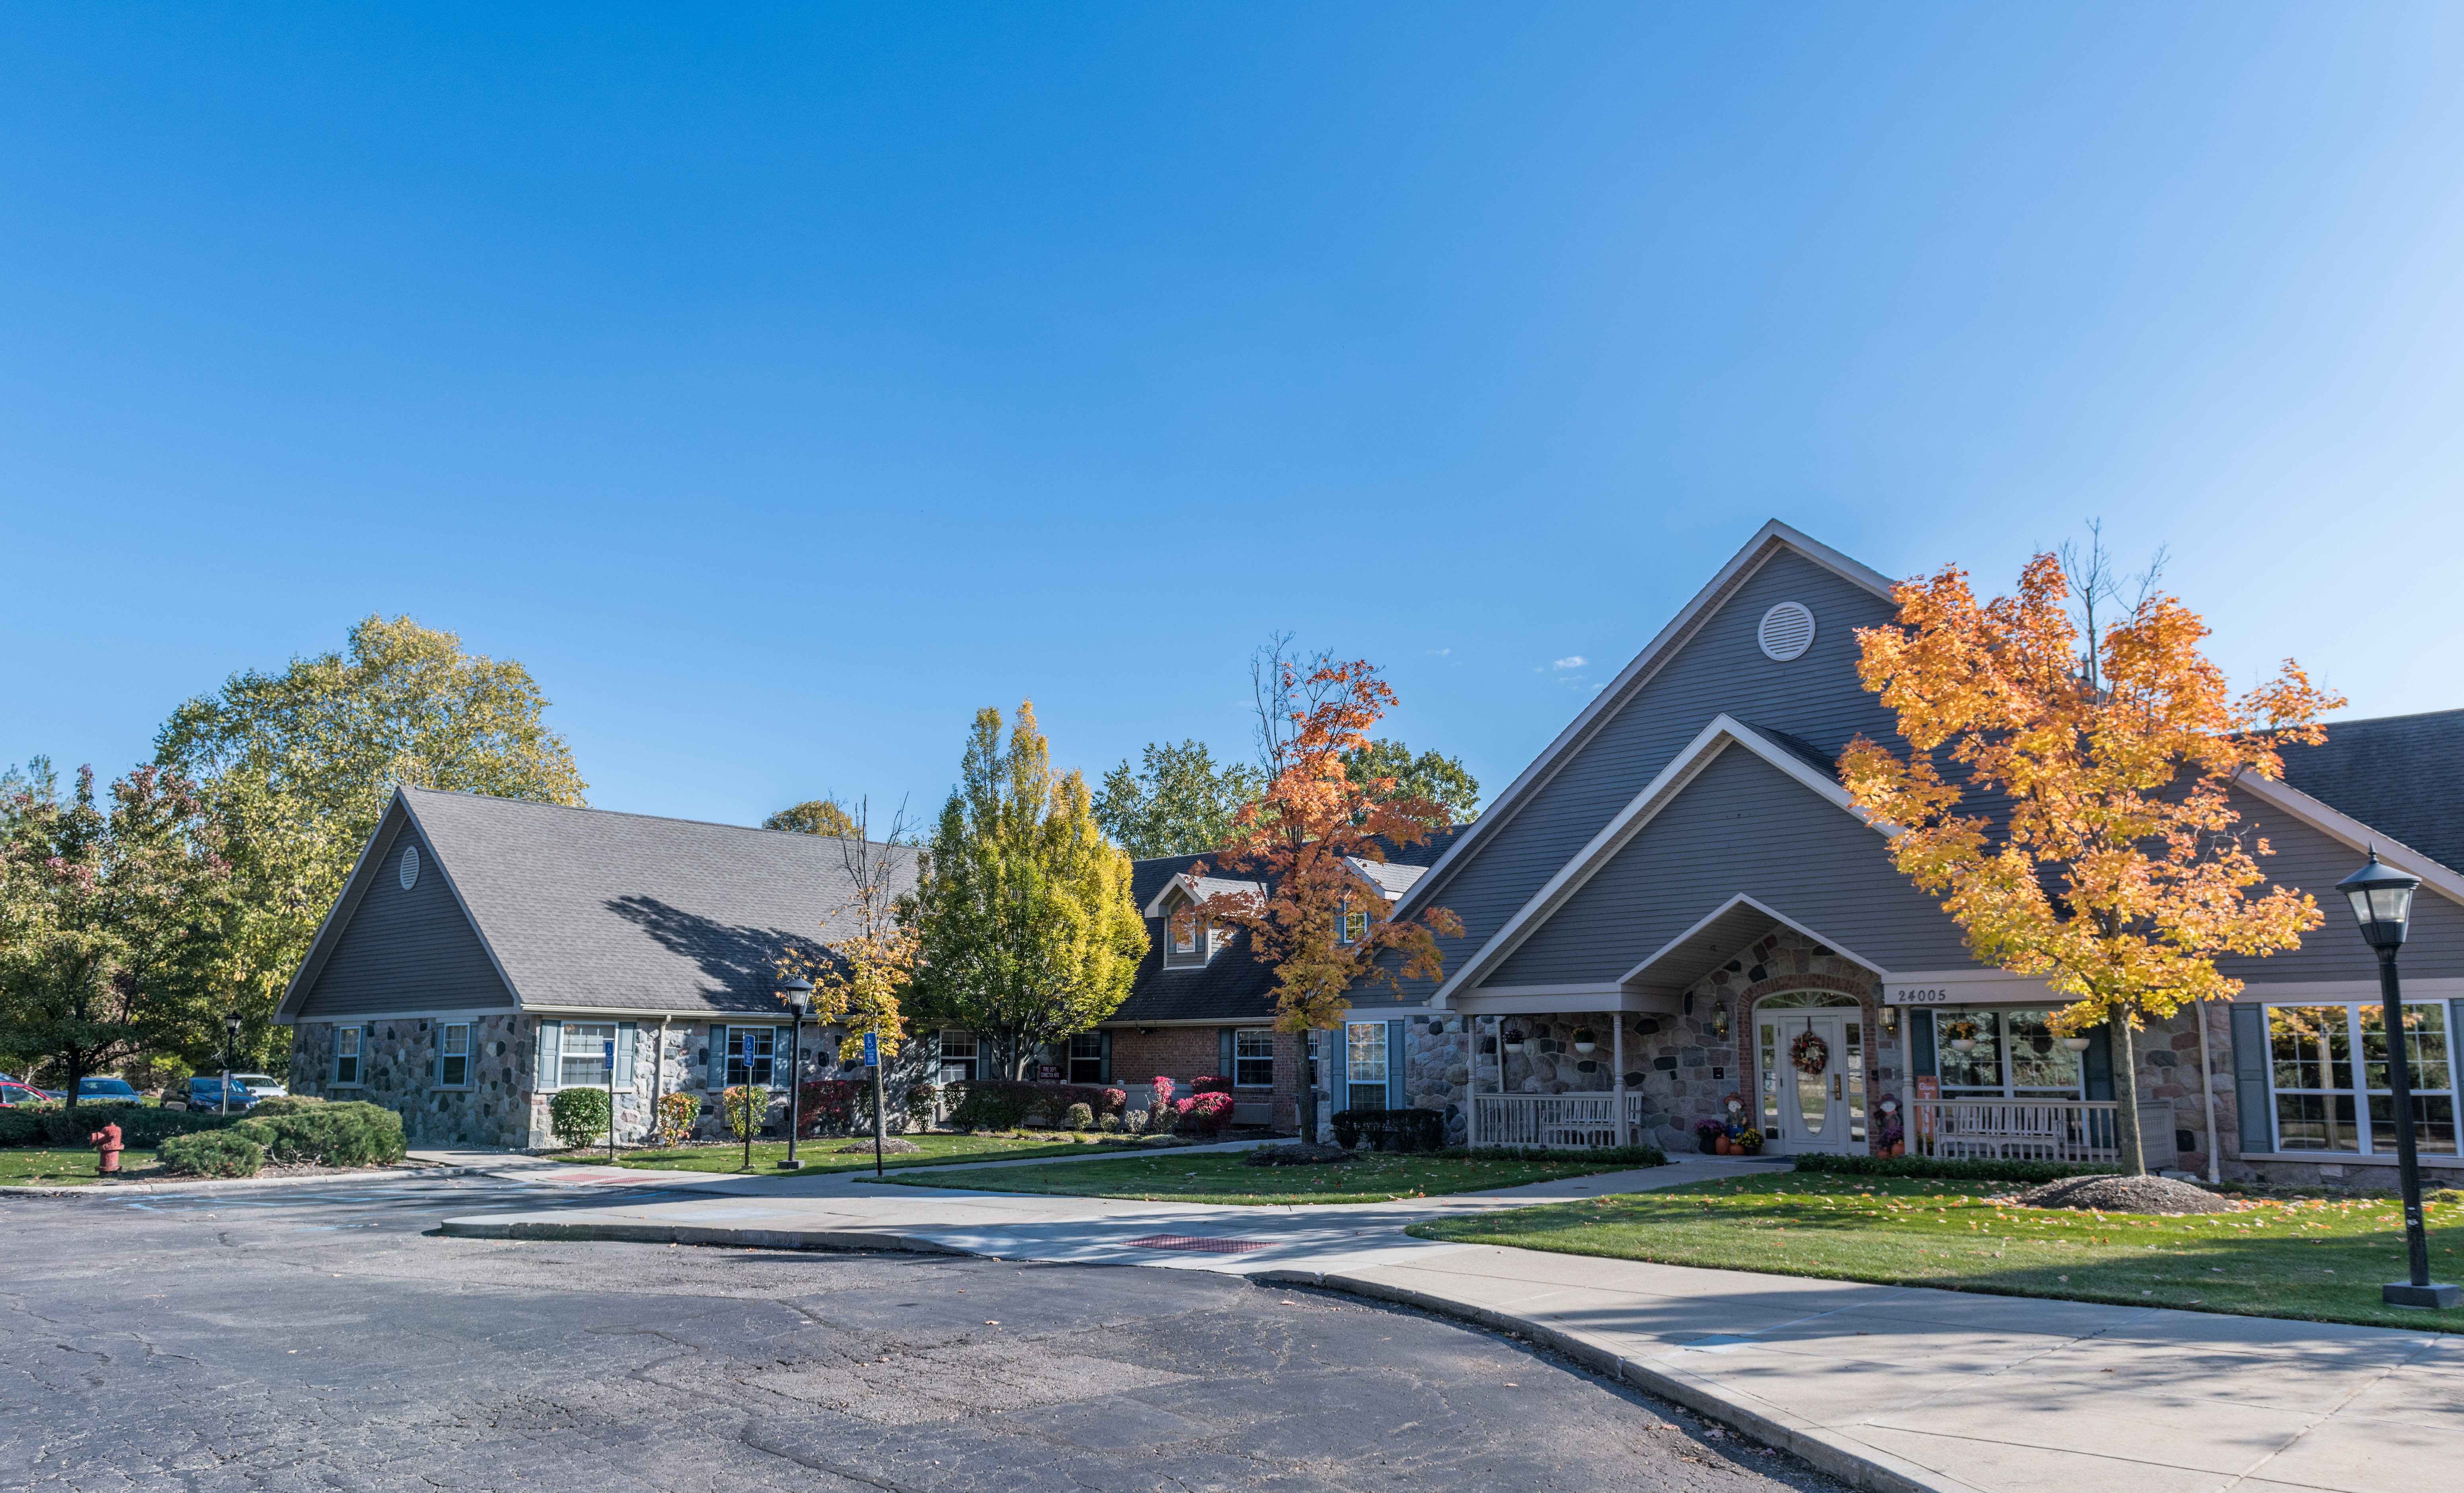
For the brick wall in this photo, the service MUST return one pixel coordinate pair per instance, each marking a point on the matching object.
(1182, 1053)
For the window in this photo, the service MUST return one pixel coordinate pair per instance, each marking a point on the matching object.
(1184, 930)
(347, 1054)
(1253, 1058)
(1355, 925)
(453, 1056)
(1087, 1058)
(582, 1058)
(1364, 1059)
(957, 1056)
(1316, 1055)
(750, 1051)
(2015, 1055)
(2317, 1105)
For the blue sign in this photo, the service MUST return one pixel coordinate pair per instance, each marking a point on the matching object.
(872, 1049)
(607, 1054)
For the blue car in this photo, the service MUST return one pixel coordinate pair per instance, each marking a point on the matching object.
(104, 1091)
(206, 1093)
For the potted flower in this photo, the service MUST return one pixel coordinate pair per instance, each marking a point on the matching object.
(1709, 1135)
(1513, 1039)
(2075, 1044)
(1749, 1142)
(1584, 1042)
(1962, 1033)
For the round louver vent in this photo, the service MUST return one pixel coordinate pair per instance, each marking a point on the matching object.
(409, 867)
(1787, 631)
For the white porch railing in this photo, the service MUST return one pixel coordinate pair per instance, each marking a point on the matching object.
(2014, 1129)
(1576, 1122)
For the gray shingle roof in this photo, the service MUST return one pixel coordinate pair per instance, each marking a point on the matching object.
(2402, 775)
(596, 909)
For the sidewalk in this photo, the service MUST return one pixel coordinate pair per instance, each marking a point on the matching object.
(1885, 1387)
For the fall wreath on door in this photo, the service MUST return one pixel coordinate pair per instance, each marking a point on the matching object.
(1810, 1054)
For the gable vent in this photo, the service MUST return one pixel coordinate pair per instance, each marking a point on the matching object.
(409, 867)
(1787, 631)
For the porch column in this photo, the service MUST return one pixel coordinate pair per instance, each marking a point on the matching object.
(1471, 1090)
(1616, 1046)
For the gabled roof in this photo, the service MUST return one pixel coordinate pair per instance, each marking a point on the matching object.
(2401, 775)
(1773, 539)
(1720, 733)
(594, 909)
(1696, 952)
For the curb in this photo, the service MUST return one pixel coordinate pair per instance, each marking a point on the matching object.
(345, 1179)
(1852, 1463)
(686, 1234)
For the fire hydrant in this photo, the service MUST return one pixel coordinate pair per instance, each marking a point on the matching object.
(107, 1141)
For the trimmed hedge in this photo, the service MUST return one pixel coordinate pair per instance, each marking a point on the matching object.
(285, 1103)
(1391, 1130)
(214, 1153)
(578, 1116)
(999, 1104)
(1947, 1171)
(1636, 1155)
(330, 1134)
(139, 1125)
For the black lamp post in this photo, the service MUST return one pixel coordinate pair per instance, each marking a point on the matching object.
(231, 1046)
(2381, 898)
(799, 992)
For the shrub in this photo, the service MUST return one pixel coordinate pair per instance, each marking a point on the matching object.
(1159, 1096)
(993, 1105)
(1210, 1084)
(743, 1108)
(1391, 1130)
(284, 1104)
(332, 1134)
(60, 1125)
(214, 1153)
(1950, 1171)
(677, 1113)
(1113, 1102)
(1133, 1122)
(578, 1116)
(1109, 1123)
(1205, 1113)
(1636, 1155)
(831, 1103)
(1079, 1118)
(920, 1099)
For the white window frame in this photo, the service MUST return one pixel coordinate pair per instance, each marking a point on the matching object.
(1181, 939)
(1072, 1056)
(446, 1056)
(964, 1062)
(349, 1048)
(1352, 1048)
(737, 1038)
(580, 1061)
(2005, 1060)
(1260, 1043)
(1354, 927)
(2365, 1139)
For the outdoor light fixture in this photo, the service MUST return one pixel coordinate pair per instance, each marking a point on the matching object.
(2382, 899)
(798, 992)
(1720, 1022)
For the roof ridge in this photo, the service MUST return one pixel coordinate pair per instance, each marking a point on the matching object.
(664, 819)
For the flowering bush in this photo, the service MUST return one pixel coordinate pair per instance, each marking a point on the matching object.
(1710, 1130)
(1160, 1092)
(1211, 1083)
(1115, 1100)
(831, 1103)
(676, 1115)
(1205, 1113)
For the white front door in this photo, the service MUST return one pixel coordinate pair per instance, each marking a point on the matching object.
(1814, 1097)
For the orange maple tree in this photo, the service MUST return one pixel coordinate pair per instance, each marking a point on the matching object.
(1306, 838)
(2101, 850)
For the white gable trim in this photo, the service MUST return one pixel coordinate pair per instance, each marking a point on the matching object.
(1767, 911)
(2339, 826)
(1772, 540)
(1723, 730)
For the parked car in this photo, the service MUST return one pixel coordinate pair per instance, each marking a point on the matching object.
(261, 1086)
(14, 1093)
(106, 1090)
(206, 1093)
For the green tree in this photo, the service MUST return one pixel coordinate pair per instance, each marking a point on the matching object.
(297, 766)
(111, 923)
(1438, 779)
(816, 817)
(1178, 803)
(1027, 931)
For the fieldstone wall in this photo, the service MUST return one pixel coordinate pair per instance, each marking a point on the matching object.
(396, 1065)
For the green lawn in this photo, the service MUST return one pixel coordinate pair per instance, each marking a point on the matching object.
(1222, 1176)
(25, 1167)
(2320, 1260)
(823, 1155)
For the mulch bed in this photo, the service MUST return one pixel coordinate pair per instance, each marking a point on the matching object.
(2125, 1194)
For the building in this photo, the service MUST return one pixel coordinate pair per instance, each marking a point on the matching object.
(1675, 909)
(487, 953)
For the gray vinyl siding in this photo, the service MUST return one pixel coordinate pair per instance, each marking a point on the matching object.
(405, 951)
(1742, 825)
(2314, 862)
(1720, 669)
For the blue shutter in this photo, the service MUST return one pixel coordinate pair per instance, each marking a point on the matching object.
(1393, 1064)
(1921, 1048)
(551, 1052)
(1223, 1051)
(624, 1054)
(1106, 1070)
(2250, 1055)
(2097, 1062)
(2455, 1016)
(1338, 1082)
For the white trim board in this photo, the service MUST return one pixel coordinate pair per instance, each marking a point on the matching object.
(1767, 911)
(2336, 824)
(1723, 732)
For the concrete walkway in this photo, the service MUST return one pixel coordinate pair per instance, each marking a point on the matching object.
(1885, 1387)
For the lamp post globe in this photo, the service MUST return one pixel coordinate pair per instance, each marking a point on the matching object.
(2381, 897)
(798, 992)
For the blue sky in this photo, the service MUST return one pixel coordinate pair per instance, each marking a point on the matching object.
(781, 383)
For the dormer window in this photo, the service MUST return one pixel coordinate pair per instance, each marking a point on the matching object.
(1356, 926)
(1185, 932)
